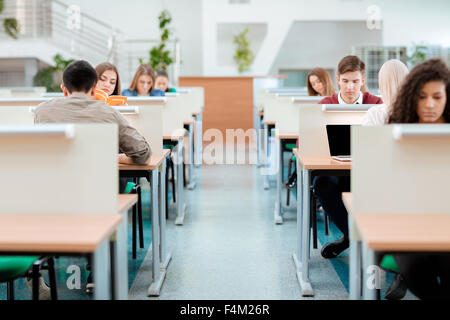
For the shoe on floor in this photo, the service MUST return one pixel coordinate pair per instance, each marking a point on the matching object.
(291, 183)
(44, 289)
(397, 289)
(333, 249)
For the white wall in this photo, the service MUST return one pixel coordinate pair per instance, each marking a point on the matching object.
(303, 49)
(138, 19)
(405, 21)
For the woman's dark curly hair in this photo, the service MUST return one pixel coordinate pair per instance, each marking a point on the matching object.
(405, 106)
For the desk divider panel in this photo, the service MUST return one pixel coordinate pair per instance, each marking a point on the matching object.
(16, 115)
(45, 171)
(174, 116)
(313, 141)
(409, 175)
(148, 121)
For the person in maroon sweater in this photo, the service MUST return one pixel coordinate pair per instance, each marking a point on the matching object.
(328, 189)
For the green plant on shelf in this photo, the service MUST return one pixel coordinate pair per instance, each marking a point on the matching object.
(10, 25)
(419, 54)
(243, 56)
(160, 58)
(51, 77)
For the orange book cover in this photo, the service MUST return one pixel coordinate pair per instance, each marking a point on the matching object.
(112, 100)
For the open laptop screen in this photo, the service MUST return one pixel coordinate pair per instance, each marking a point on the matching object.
(339, 139)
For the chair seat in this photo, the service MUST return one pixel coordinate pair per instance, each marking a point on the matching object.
(389, 263)
(291, 146)
(13, 267)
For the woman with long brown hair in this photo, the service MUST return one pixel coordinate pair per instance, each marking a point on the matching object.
(108, 79)
(319, 83)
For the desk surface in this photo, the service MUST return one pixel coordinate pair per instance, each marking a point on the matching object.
(55, 233)
(287, 135)
(324, 163)
(153, 163)
(173, 137)
(126, 201)
(402, 232)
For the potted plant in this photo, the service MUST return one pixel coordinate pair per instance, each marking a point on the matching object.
(160, 58)
(11, 25)
(244, 56)
(51, 77)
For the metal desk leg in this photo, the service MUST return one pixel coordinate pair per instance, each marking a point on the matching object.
(102, 275)
(297, 254)
(306, 236)
(158, 275)
(371, 274)
(121, 260)
(279, 160)
(355, 269)
(198, 140)
(181, 206)
(165, 256)
(266, 162)
(191, 184)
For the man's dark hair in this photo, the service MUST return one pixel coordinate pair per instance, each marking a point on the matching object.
(351, 64)
(79, 76)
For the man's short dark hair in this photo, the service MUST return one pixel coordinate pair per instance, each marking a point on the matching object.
(351, 64)
(79, 76)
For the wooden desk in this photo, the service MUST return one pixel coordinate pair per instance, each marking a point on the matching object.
(66, 235)
(152, 163)
(381, 233)
(154, 171)
(126, 202)
(307, 169)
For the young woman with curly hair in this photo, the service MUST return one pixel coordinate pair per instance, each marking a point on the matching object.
(424, 98)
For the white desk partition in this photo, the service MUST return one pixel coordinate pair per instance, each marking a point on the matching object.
(409, 163)
(59, 169)
(148, 121)
(17, 115)
(22, 92)
(27, 102)
(313, 119)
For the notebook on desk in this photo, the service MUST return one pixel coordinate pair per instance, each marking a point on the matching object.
(339, 141)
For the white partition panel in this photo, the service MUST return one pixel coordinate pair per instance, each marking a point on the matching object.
(59, 169)
(313, 141)
(16, 115)
(401, 169)
(148, 120)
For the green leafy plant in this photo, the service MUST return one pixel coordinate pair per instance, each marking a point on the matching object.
(11, 25)
(244, 56)
(159, 55)
(418, 55)
(51, 77)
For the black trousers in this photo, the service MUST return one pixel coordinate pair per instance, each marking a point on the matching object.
(328, 190)
(427, 275)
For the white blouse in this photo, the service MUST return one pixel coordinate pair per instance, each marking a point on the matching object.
(376, 116)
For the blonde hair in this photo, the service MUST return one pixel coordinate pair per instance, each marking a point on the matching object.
(390, 79)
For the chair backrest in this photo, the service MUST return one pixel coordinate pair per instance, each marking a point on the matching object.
(313, 119)
(148, 120)
(401, 169)
(59, 169)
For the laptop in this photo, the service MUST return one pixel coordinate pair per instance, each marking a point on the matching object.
(339, 141)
